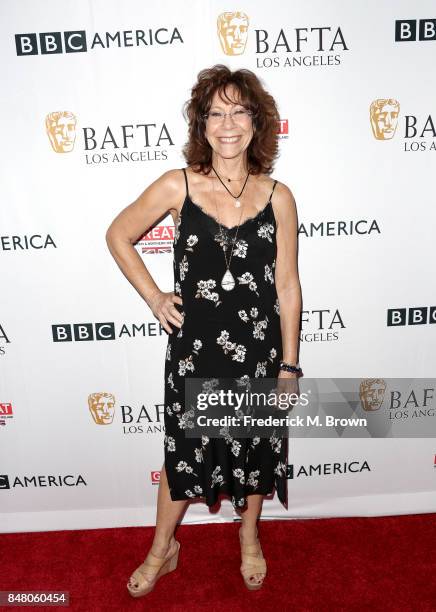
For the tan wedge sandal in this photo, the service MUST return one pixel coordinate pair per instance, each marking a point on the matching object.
(253, 562)
(141, 581)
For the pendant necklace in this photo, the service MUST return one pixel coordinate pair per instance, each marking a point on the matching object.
(236, 198)
(228, 282)
(229, 180)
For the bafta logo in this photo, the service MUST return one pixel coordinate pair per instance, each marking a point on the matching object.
(232, 32)
(61, 130)
(383, 114)
(371, 393)
(102, 407)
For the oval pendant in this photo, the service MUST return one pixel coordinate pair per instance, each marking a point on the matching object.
(228, 282)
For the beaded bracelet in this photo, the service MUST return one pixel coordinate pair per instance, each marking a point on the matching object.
(287, 367)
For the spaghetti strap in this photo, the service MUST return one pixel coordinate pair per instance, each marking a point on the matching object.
(274, 186)
(186, 181)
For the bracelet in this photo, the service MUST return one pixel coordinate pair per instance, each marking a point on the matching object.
(287, 367)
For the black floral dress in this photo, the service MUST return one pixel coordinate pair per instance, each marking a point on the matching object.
(234, 334)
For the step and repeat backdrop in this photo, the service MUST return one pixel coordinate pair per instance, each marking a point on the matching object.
(91, 115)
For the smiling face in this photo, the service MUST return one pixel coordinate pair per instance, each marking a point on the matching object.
(231, 136)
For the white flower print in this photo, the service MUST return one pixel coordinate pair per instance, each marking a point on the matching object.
(239, 413)
(198, 455)
(243, 381)
(170, 443)
(204, 290)
(258, 327)
(216, 477)
(170, 380)
(222, 238)
(260, 369)
(209, 386)
(224, 432)
(243, 315)
(204, 440)
(240, 249)
(280, 469)
(255, 441)
(240, 351)
(198, 489)
(223, 340)
(189, 493)
(272, 354)
(186, 365)
(248, 279)
(236, 447)
(228, 346)
(185, 421)
(168, 353)
(265, 231)
(277, 306)
(176, 407)
(177, 288)
(252, 478)
(238, 473)
(182, 466)
(197, 346)
(183, 267)
(269, 274)
(276, 442)
(191, 241)
(177, 229)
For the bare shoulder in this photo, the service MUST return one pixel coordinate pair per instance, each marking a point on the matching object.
(171, 185)
(285, 209)
(284, 204)
(283, 196)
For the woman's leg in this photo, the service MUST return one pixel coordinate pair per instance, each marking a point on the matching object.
(167, 514)
(248, 527)
(250, 516)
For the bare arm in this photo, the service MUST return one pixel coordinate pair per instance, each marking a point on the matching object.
(153, 204)
(286, 273)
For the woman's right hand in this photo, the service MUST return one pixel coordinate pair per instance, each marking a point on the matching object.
(162, 305)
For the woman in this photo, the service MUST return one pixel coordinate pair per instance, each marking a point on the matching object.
(235, 308)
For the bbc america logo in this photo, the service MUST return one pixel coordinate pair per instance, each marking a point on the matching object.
(4, 481)
(75, 41)
(51, 42)
(65, 332)
(416, 315)
(415, 29)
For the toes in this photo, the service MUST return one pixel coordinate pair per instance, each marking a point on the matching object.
(257, 578)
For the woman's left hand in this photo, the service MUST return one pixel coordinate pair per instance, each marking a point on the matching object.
(287, 382)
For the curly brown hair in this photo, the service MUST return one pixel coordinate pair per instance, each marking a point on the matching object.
(263, 148)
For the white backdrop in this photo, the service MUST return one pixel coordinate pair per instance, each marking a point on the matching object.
(68, 166)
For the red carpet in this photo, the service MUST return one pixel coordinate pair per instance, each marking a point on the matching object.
(383, 563)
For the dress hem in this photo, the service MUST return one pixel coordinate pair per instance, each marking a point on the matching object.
(210, 502)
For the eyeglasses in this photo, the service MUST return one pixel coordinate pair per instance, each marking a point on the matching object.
(239, 116)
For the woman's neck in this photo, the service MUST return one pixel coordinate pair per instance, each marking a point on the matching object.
(230, 168)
